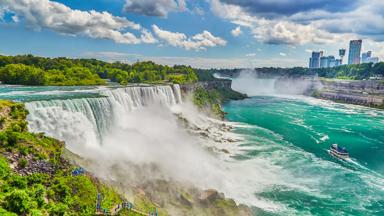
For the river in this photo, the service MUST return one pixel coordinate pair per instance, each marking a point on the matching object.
(292, 135)
(279, 164)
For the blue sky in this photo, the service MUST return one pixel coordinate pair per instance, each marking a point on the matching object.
(201, 33)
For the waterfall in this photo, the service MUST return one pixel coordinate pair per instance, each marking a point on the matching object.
(85, 121)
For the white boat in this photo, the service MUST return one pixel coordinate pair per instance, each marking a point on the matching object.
(339, 152)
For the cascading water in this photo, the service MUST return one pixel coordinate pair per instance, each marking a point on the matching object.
(85, 121)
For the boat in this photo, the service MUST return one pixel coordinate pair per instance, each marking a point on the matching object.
(339, 152)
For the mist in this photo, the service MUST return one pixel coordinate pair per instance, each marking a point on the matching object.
(249, 82)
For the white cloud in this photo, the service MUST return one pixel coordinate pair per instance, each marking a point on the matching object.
(198, 11)
(15, 19)
(308, 50)
(46, 14)
(197, 42)
(250, 55)
(154, 8)
(269, 30)
(147, 37)
(236, 32)
(283, 54)
(319, 25)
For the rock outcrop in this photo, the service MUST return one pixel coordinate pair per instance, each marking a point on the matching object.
(361, 92)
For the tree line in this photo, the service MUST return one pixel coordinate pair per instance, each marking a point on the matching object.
(354, 72)
(33, 70)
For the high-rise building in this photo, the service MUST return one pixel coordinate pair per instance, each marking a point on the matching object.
(323, 61)
(354, 51)
(341, 54)
(327, 61)
(331, 61)
(314, 61)
(338, 62)
(365, 57)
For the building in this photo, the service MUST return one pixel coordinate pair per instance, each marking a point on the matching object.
(366, 56)
(323, 61)
(373, 60)
(338, 62)
(314, 61)
(327, 61)
(354, 51)
(331, 61)
(341, 54)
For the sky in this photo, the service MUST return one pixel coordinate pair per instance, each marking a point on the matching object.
(200, 33)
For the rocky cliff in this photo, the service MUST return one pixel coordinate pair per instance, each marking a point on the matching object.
(208, 85)
(362, 92)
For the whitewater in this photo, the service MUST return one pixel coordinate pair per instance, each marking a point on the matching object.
(277, 160)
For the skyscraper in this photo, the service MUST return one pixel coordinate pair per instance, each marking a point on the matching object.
(354, 51)
(323, 61)
(365, 57)
(314, 61)
(327, 61)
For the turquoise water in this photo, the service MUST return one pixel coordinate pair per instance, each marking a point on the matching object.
(294, 134)
(35, 93)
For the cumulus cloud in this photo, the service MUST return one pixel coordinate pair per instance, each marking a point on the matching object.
(250, 55)
(46, 14)
(197, 42)
(305, 21)
(283, 54)
(236, 32)
(159, 8)
(147, 37)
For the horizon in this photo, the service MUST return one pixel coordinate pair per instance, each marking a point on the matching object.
(203, 34)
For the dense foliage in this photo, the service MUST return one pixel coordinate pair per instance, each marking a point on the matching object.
(43, 191)
(211, 99)
(358, 71)
(32, 70)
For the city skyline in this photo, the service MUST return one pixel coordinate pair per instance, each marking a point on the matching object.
(355, 56)
(202, 33)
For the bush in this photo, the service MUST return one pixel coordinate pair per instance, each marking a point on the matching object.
(23, 163)
(19, 201)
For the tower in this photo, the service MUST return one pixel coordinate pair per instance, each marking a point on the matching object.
(354, 51)
(341, 54)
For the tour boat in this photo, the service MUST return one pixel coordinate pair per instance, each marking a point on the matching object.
(339, 152)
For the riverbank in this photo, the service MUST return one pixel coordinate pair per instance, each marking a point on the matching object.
(360, 92)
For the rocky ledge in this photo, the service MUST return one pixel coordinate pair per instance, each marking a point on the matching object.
(360, 92)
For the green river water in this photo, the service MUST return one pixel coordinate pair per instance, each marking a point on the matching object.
(293, 135)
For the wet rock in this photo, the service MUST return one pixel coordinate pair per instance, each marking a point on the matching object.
(209, 196)
(225, 151)
(186, 199)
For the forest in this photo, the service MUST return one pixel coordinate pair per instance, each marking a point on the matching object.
(33, 70)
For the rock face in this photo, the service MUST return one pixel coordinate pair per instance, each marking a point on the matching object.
(30, 166)
(361, 92)
(208, 85)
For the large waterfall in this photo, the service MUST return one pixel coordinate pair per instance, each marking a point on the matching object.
(87, 120)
